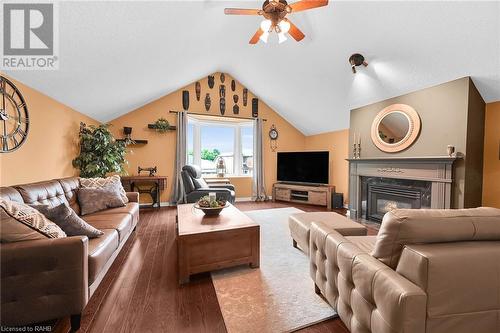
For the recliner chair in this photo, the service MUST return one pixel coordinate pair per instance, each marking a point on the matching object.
(196, 187)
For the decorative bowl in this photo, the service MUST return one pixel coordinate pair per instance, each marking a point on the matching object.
(211, 211)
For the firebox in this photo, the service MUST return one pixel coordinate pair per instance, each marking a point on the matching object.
(381, 195)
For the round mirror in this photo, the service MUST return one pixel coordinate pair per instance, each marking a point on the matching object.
(395, 128)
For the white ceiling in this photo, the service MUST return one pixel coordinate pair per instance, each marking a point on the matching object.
(117, 56)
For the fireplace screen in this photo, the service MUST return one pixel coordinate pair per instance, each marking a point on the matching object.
(381, 195)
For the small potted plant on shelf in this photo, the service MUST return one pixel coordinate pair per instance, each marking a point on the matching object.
(161, 125)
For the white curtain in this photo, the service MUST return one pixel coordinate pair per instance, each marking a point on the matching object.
(179, 195)
(259, 187)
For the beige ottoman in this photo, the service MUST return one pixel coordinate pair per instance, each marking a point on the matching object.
(301, 222)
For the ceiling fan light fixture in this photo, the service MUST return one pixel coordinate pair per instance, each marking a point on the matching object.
(264, 37)
(284, 26)
(266, 25)
(282, 38)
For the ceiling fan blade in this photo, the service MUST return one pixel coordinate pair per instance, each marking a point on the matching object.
(241, 11)
(307, 4)
(295, 32)
(255, 38)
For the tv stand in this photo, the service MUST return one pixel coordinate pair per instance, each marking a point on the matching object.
(320, 195)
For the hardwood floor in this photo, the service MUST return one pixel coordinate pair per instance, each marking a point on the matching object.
(141, 293)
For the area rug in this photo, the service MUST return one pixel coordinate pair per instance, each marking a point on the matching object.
(277, 297)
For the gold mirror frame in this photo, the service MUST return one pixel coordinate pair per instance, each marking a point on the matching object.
(411, 135)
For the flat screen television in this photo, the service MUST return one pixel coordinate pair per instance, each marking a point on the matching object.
(309, 167)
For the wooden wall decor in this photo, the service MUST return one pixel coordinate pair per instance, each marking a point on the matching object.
(233, 85)
(222, 106)
(245, 96)
(198, 90)
(255, 107)
(236, 109)
(185, 100)
(208, 102)
(222, 91)
(235, 98)
(211, 81)
(222, 77)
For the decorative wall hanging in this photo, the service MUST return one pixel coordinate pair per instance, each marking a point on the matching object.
(185, 100)
(236, 109)
(222, 91)
(222, 77)
(245, 96)
(161, 126)
(208, 102)
(233, 85)
(222, 106)
(255, 107)
(235, 98)
(198, 90)
(13, 116)
(273, 135)
(395, 128)
(211, 81)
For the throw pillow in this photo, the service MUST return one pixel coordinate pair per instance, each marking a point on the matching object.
(105, 182)
(29, 218)
(68, 221)
(92, 200)
(200, 183)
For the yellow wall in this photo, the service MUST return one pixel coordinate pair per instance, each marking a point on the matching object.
(51, 144)
(491, 167)
(337, 143)
(160, 150)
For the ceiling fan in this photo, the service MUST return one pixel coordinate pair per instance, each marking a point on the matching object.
(275, 12)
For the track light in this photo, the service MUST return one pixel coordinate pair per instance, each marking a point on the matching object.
(357, 60)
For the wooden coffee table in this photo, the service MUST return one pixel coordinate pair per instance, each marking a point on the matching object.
(207, 243)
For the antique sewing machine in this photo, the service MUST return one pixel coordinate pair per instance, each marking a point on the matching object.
(146, 183)
(152, 171)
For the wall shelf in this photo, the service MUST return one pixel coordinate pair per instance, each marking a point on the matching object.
(136, 142)
(170, 128)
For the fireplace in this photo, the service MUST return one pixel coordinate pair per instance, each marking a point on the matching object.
(382, 198)
(377, 185)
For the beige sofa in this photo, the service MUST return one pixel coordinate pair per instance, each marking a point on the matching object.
(53, 278)
(426, 271)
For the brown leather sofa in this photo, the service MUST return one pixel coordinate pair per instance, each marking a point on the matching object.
(53, 278)
(432, 271)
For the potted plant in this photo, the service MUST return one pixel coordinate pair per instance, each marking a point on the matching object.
(100, 153)
(161, 125)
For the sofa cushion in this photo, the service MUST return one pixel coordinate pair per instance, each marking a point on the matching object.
(13, 231)
(93, 200)
(419, 226)
(365, 243)
(70, 187)
(131, 208)
(121, 222)
(10, 193)
(44, 193)
(113, 181)
(68, 221)
(28, 217)
(100, 250)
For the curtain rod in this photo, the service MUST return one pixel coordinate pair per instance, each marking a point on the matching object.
(215, 115)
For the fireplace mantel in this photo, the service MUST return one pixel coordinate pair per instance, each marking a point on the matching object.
(435, 169)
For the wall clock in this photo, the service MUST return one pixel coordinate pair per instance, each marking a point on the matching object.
(273, 135)
(14, 119)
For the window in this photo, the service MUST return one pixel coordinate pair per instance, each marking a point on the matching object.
(230, 139)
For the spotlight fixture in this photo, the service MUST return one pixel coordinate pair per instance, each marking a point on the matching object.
(357, 60)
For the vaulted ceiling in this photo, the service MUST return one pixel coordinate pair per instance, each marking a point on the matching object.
(117, 56)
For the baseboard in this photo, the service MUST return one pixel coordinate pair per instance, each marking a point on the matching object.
(242, 199)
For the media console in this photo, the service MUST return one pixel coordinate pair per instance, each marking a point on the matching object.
(312, 195)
